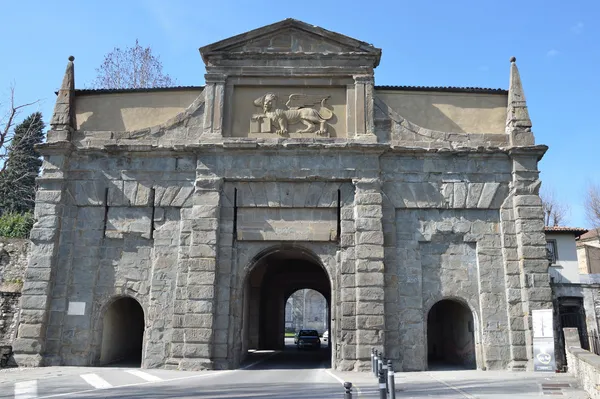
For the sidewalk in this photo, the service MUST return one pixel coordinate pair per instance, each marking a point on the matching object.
(469, 384)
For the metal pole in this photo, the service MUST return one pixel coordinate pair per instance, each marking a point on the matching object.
(376, 361)
(372, 360)
(382, 390)
(379, 363)
(304, 311)
(347, 390)
(385, 373)
(391, 380)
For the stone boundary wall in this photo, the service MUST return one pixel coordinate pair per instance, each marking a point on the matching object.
(14, 255)
(585, 366)
(9, 313)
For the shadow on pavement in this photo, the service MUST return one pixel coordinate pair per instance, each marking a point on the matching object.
(289, 358)
(272, 391)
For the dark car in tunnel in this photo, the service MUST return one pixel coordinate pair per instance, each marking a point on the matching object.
(308, 339)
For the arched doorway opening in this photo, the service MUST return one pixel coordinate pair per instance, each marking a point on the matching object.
(450, 336)
(122, 333)
(306, 309)
(272, 280)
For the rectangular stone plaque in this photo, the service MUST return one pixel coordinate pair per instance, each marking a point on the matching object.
(76, 309)
(128, 220)
(287, 224)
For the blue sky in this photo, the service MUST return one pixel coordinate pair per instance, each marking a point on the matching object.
(427, 43)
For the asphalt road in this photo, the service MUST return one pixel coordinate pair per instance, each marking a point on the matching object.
(287, 374)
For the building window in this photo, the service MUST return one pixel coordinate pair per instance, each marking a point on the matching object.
(551, 253)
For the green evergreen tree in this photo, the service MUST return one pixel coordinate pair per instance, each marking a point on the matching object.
(17, 178)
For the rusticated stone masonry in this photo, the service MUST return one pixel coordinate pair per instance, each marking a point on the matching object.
(197, 230)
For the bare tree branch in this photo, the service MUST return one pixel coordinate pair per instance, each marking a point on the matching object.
(131, 68)
(555, 212)
(7, 124)
(19, 162)
(592, 205)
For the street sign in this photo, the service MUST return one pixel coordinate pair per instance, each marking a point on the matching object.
(543, 340)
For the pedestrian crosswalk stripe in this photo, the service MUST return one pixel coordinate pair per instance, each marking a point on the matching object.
(26, 390)
(96, 381)
(144, 375)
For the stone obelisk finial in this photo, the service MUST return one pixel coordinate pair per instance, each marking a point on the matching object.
(518, 124)
(63, 118)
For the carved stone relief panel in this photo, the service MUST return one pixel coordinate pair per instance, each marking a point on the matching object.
(291, 41)
(297, 112)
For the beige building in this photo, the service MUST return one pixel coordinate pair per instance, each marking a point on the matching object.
(177, 222)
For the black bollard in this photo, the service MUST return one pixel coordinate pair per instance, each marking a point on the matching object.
(385, 373)
(347, 390)
(391, 380)
(379, 364)
(382, 389)
(376, 361)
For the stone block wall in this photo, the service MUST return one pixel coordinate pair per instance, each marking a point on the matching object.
(14, 255)
(447, 254)
(443, 241)
(9, 312)
(119, 236)
(396, 233)
(585, 366)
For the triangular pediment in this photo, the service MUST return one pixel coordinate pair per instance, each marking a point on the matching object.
(289, 37)
(291, 41)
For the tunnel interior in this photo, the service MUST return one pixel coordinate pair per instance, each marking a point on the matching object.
(450, 336)
(272, 280)
(122, 333)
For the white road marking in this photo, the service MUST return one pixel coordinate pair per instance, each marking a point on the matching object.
(96, 381)
(334, 376)
(189, 377)
(358, 390)
(26, 390)
(145, 376)
(456, 389)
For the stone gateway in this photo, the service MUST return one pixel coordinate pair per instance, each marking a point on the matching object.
(173, 224)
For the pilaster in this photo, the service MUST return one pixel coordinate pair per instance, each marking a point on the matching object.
(369, 281)
(363, 108)
(195, 298)
(531, 245)
(30, 345)
(214, 97)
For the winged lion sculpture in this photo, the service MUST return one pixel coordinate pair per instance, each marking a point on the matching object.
(299, 110)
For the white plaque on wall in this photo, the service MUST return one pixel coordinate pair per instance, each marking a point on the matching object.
(76, 309)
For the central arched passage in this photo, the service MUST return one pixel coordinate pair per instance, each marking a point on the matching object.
(269, 284)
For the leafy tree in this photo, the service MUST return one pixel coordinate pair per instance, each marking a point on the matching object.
(17, 177)
(16, 225)
(131, 68)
